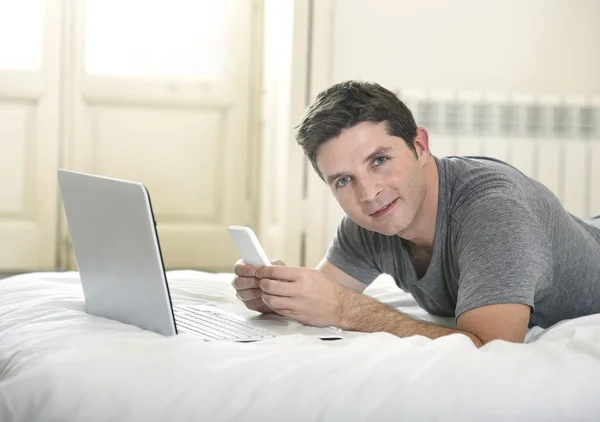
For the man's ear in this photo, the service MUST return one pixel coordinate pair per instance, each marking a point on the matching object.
(421, 144)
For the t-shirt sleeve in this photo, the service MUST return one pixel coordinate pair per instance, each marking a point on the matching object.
(353, 251)
(503, 254)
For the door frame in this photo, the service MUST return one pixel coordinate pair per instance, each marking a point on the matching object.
(308, 199)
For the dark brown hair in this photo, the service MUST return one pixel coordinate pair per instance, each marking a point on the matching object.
(346, 104)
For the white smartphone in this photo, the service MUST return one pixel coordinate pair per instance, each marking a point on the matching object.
(248, 246)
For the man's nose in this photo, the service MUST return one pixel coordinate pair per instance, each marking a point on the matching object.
(368, 190)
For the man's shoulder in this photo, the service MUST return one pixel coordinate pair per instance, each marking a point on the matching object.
(470, 179)
(483, 172)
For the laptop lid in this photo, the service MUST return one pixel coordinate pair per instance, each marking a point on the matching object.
(117, 250)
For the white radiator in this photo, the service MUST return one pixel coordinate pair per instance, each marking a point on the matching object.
(555, 140)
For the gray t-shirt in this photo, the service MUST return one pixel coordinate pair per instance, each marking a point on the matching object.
(500, 237)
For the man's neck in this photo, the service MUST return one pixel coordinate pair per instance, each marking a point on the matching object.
(422, 231)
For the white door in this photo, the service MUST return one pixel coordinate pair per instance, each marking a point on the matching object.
(29, 133)
(164, 93)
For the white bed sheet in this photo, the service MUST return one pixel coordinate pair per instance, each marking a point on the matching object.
(58, 363)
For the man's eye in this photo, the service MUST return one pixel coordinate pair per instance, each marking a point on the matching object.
(379, 160)
(342, 181)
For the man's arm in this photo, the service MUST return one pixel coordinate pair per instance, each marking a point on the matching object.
(503, 321)
(312, 297)
(370, 315)
(341, 277)
(482, 325)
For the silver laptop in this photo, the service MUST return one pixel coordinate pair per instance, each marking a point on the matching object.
(122, 273)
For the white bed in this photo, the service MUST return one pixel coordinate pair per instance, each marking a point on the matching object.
(59, 364)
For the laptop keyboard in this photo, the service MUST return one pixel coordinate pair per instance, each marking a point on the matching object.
(215, 325)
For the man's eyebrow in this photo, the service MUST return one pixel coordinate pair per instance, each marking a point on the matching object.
(378, 151)
(331, 178)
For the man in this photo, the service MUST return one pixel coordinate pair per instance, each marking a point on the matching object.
(471, 238)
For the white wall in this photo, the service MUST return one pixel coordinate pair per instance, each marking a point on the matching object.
(533, 46)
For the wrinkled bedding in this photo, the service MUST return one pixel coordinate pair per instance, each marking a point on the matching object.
(58, 363)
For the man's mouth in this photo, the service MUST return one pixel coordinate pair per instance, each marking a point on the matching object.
(385, 209)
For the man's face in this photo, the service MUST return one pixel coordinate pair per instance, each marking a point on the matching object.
(375, 177)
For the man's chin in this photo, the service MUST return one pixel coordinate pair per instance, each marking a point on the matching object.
(383, 229)
(386, 231)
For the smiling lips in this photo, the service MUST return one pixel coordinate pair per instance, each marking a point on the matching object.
(385, 209)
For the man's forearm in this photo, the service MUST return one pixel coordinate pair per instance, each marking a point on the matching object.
(364, 314)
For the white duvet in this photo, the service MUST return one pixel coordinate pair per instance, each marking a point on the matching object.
(59, 364)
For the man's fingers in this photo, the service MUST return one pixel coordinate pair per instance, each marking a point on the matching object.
(276, 287)
(244, 283)
(244, 270)
(258, 305)
(277, 303)
(278, 262)
(278, 272)
(249, 294)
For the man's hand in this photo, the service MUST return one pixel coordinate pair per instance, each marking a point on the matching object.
(305, 295)
(248, 290)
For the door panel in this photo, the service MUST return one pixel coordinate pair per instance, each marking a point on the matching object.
(179, 125)
(126, 144)
(15, 162)
(29, 133)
